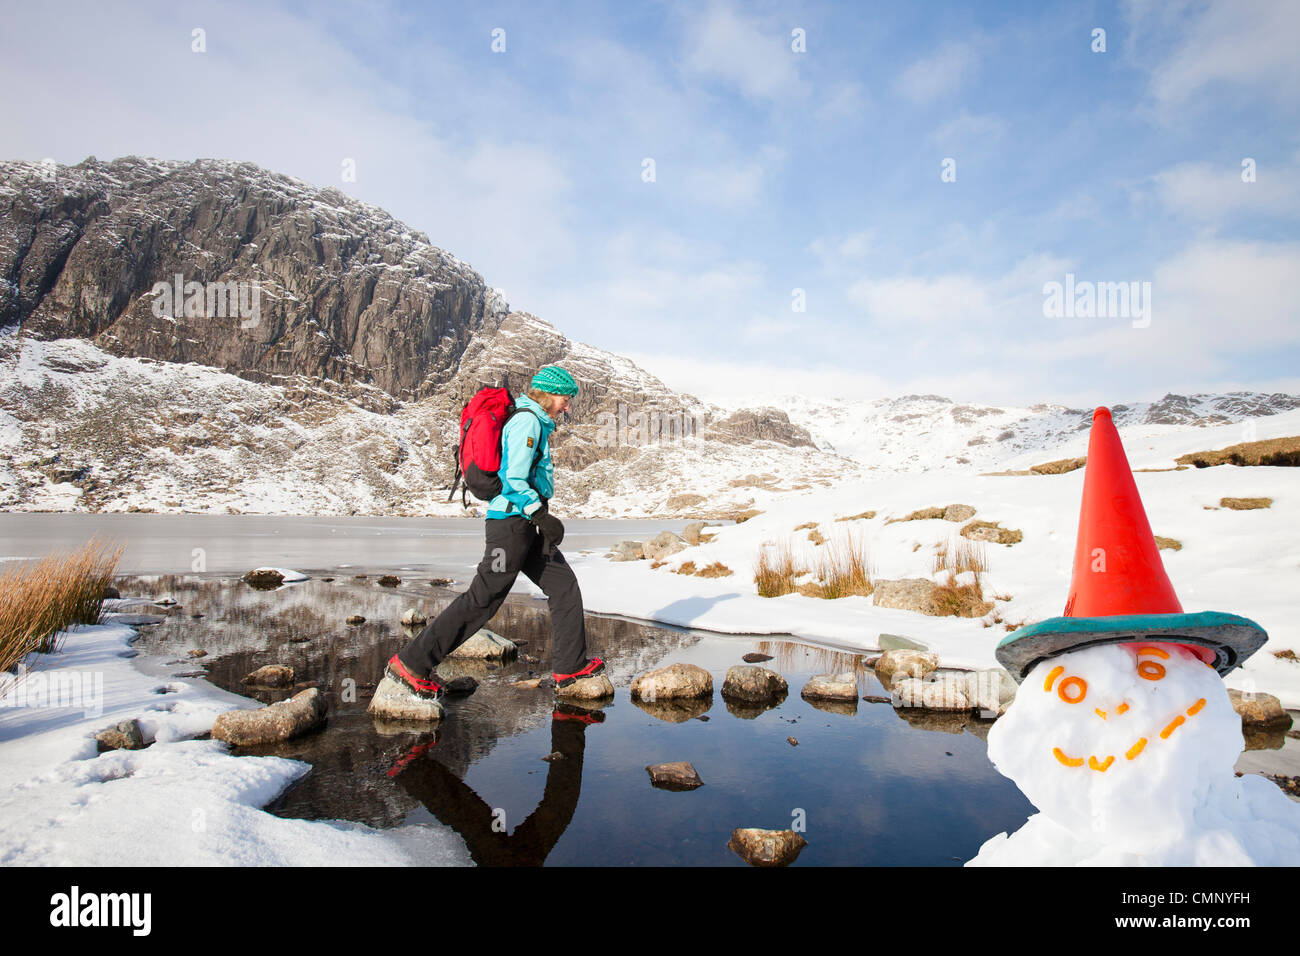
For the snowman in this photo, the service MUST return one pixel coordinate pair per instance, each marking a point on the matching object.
(1122, 733)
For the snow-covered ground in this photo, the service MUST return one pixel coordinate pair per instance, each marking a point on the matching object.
(1242, 562)
(179, 801)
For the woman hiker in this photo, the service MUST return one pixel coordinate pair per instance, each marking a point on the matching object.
(522, 535)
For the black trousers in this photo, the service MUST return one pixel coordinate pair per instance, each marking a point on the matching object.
(513, 545)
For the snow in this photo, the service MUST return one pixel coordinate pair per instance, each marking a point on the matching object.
(1128, 752)
(178, 801)
(1242, 562)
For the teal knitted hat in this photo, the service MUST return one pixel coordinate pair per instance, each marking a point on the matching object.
(553, 379)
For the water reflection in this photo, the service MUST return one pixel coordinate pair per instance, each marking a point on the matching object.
(861, 777)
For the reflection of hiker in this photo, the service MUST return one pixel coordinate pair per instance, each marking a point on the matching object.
(522, 535)
(456, 805)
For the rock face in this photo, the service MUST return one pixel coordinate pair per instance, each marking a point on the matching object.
(748, 682)
(766, 847)
(680, 775)
(484, 645)
(288, 718)
(672, 682)
(831, 687)
(272, 675)
(393, 702)
(346, 292)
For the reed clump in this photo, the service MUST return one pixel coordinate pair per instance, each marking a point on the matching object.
(41, 598)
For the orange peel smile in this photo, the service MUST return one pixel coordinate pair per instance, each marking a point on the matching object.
(1078, 690)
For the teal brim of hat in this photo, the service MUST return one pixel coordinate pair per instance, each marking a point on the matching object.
(1231, 638)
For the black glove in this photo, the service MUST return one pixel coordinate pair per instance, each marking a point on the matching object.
(549, 525)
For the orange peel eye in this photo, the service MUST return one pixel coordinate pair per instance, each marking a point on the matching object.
(1056, 672)
(1075, 682)
(1151, 670)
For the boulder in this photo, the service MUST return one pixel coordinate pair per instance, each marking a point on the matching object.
(1259, 711)
(990, 531)
(753, 657)
(587, 688)
(414, 617)
(393, 702)
(691, 533)
(896, 664)
(674, 776)
(748, 682)
(662, 545)
(766, 847)
(389, 581)
(484, 645)
(946, 695)
(673, 681)
(272, 675)
(289, 718)
(906, 594)
(831, 687)
(958, 512)
(628, 551)
(264, 578)
(123, 736)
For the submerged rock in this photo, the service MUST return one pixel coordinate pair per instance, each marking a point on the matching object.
(680, 775)
(393, 702)
(673, 681)
(483, 645)
(272, 675)
(275, 722)
(748, 682)
(355, 619)
(766, 847)
(389, 581)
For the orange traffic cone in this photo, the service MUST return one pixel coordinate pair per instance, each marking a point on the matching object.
(1117, 566)
(1119, 591)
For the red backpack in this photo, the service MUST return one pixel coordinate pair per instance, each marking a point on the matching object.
(478, 456)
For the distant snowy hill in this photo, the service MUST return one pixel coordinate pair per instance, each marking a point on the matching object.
(924, 432)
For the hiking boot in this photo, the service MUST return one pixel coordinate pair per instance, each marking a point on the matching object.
(421, 687)
(593, 667)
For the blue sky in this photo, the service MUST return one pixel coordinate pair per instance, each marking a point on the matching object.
(775, 170)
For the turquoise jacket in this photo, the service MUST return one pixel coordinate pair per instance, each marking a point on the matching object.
(522, 485)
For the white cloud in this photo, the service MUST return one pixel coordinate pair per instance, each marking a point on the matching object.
(1247, 43)
(1211, 193)
(941, 73)
(969, 130)
(754, 58)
